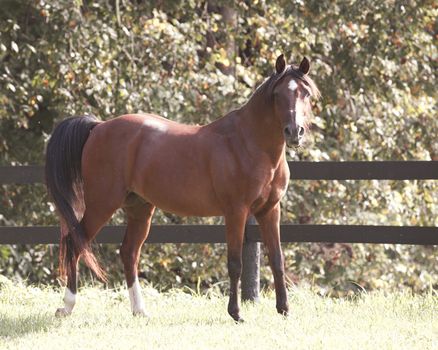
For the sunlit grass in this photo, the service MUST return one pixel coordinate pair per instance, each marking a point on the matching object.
(179, 320)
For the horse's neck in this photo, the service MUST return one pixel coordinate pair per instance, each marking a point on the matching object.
(259, 128)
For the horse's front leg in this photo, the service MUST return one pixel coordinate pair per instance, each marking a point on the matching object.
(235, 227)
(269, 223)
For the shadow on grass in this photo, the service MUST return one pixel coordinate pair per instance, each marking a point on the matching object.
(16, 326)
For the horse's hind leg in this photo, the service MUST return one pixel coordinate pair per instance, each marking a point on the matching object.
(99, 209)
(139, 215)
(71, 288)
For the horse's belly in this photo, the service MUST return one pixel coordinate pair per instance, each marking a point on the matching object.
(186, 208)
(186, 198)
(184, 205)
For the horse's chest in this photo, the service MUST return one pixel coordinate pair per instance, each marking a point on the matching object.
(270, 192)
(261, 200)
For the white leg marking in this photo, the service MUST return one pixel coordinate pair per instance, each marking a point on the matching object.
(69, 300)
(137, 304)
(69, 303)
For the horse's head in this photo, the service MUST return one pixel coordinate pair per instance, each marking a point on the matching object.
(291, 97)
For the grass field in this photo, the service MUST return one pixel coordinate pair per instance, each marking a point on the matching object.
(101, 320)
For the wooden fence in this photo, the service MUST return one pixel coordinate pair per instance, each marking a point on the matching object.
(393, 170)
(385, 170)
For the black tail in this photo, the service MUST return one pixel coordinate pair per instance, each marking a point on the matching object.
(65, 186)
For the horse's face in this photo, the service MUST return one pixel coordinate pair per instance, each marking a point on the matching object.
(292, 104)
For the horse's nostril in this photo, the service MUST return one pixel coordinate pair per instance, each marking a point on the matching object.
(300, 131)
(287, 131)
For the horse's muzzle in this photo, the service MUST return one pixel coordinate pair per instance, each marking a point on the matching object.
(293, 136)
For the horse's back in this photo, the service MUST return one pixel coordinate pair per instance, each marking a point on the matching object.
(149, 123)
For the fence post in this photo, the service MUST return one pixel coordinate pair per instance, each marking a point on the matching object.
(250, 267)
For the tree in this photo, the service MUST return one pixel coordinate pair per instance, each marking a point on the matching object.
(373, 61)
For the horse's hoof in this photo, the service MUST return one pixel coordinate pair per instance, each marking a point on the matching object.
(62, 312)
(237, 319)
(283, 312)
(140, 313)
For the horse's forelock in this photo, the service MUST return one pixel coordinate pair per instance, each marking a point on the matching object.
(295, 72)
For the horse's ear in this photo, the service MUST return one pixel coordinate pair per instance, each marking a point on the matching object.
(305, 65)
(280, 64)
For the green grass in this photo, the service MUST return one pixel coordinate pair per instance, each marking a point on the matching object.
(102, 320)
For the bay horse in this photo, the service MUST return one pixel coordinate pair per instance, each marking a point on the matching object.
(233, 167)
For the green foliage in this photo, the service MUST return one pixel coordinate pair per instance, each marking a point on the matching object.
(374, 61)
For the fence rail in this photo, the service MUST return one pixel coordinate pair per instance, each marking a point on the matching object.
(390, 170)
(423, 235)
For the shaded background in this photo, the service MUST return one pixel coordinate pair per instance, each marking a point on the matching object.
(193, 61)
